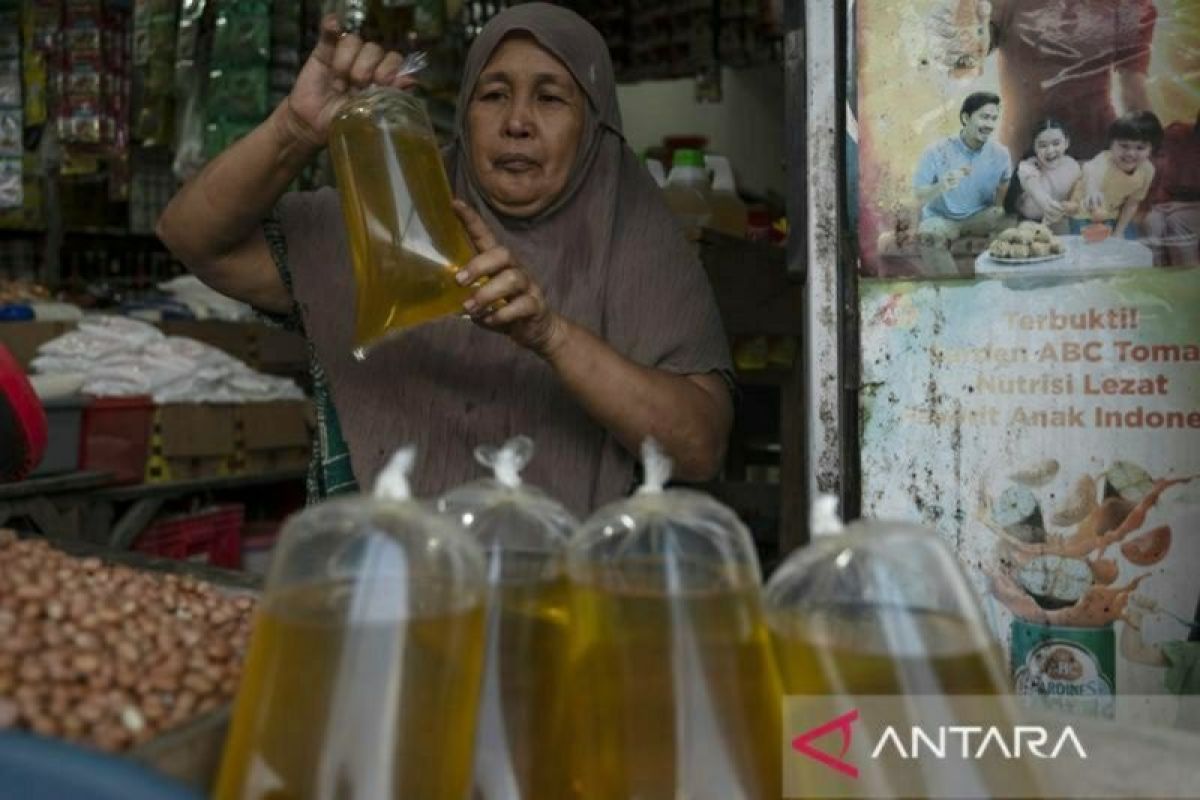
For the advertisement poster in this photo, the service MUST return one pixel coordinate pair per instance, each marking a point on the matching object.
(1028, 206)
(1049, 431)
(1077, 117)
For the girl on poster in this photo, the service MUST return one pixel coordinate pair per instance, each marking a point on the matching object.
(1046, 177)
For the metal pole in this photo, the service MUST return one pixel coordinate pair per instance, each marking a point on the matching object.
(818, 247)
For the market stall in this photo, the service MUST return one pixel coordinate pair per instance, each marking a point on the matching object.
(801, 257)
(171, 429)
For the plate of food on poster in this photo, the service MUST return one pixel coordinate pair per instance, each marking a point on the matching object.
(1027, 243)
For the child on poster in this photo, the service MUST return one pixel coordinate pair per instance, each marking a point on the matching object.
(1046, 178)
(1119, 178)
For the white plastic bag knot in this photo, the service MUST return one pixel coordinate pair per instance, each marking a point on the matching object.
(392, 482)
(656, 465)
(506, 461)
(824, 519)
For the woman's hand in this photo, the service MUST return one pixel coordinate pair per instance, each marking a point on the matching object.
(339, 65)
(509, 300)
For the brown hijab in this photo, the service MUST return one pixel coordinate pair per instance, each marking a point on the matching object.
(608, 255)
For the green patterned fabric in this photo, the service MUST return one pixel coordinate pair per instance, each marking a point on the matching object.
(329, 469)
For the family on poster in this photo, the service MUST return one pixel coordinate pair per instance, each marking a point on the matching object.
(1070, 141)
(966, 184)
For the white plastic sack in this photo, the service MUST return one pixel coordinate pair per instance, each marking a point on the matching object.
(204, 302)
(120, 357)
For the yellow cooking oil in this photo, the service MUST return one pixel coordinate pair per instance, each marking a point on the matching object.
(673, 695)
(872, 650)
(406, 242)
(520, 736)
(338, 700)
(855, 652)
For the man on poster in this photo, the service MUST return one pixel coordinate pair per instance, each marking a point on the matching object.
(961, 182)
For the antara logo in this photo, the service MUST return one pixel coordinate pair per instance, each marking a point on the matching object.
(1022, 740)
(802, 743)
(974, 742)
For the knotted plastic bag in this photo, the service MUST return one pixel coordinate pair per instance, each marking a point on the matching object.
(669, 640)
(363, 673)
(524, 533)
(406, 242)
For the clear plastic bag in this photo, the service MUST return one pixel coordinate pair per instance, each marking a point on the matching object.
(879, 608)
(406, 242)
(524, 533)
(363, 672)
(669, 640)
(879, 617)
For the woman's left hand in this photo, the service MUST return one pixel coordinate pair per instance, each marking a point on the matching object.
(509, 301)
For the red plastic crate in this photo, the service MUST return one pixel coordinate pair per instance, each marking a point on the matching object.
(212, 535)
(116, 436)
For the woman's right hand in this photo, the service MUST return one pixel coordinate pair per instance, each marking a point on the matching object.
(339, 65)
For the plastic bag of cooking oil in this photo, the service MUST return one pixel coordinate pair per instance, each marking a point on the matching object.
(668, 638)
(879, 616)
(406, 242)
(887, 606)
(363, 673)
(524, 533)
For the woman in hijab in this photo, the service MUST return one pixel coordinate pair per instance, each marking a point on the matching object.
(608, 333)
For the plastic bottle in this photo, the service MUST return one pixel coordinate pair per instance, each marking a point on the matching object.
(687, 191)
(728, 210)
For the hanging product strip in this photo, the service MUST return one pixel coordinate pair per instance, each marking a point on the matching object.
(11, 115)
